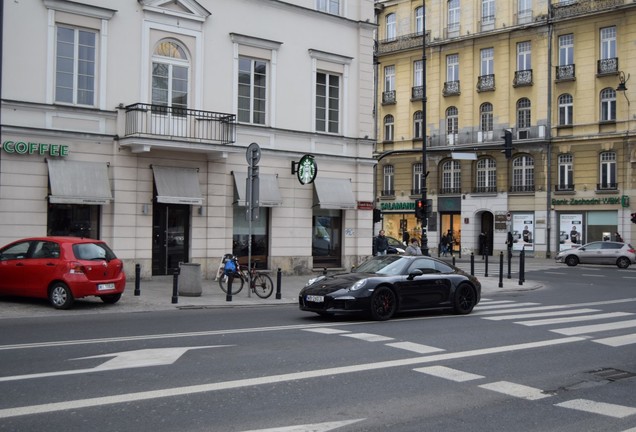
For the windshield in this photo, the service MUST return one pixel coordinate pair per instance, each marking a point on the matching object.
(389, 265)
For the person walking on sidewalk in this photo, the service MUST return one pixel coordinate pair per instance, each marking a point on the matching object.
(381, 244)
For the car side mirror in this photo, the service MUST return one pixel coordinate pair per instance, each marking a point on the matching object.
(414, 273)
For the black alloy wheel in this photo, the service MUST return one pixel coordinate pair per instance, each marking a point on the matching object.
(465, 299)
(623, 262)
(383, 304)
(571, 260)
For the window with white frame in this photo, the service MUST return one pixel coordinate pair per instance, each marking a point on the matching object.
(487, 61)
(419, 20)
(608, 104)
(75, 66)
(389, 78)
(452, 125)
(487, 11)
(524, 9)
(388, 128)
(417, 178)
(391, 29)
(327, 102)
(565, 172)
(524, 118)
(524, 56)
(523, 174)
(387, 186)
(566, 110)
(486, 117)
(453, 16)
(608, 43)
(252, 90)
(451, 176)
(329, 6)
(417, 125)
(486, 175)
(452, 67)
(608, 170)
(418, 76)
(170, 71)
(566, 50)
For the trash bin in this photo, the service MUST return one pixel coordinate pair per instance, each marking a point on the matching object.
(190, 279)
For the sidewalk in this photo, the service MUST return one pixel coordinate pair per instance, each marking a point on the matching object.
(156, 294)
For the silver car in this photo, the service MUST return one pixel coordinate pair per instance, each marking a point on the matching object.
(600, 252)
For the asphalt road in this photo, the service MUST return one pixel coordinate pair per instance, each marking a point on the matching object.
(559, 358)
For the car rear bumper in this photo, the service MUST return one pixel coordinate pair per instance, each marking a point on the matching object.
(82, 287)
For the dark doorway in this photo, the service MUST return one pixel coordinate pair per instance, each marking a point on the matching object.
(170, 234)
(487, 226)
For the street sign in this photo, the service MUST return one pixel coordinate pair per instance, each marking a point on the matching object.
(253, 154)
(508, 216)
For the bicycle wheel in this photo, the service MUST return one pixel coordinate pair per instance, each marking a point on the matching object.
(263, 285)
(237, 283)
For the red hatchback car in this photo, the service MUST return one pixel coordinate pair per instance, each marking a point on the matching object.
(61, 269)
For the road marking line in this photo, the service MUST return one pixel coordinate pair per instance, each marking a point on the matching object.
(611, 410)
(449, 373)
(592, 275)
(516, 390)
(541, 314)
(326, 330)
(618, 340)
(571, 331)
(415, 347)
(273, 379)
(316, 427)
(368, 337)
(540, 308)
(486, 307)
(573, 319)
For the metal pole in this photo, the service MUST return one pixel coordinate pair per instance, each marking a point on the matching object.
(472, 264)
(175, 286)
(501, 269)
(424, 136)
(278, 282)
(137, 279)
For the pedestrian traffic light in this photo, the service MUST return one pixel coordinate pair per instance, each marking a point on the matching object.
(421, 209)
(377, 215)
(507, 145)
(633, 217)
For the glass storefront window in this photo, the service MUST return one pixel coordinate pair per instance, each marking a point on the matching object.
(260, 237)
(75, 220)
(326, 245)
(601, 225)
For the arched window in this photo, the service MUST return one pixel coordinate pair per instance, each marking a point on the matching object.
(486, 175)
(523, 174)
(417, 125)
(608, 104)
(524, 118)
(452, 125)
(170, 72)
(566, 109)
(388, 128)
(451, 177)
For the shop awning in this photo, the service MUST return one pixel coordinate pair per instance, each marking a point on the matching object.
(269, 194)
(77, 182)
(177, 185)
(330, 193)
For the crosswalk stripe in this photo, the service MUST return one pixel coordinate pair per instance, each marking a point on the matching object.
(478, 310)
(611, 410)
(540, 314)
(571, 331)
(617, 341)
(326, 330)
(415, 347)
(501, 306)
(449, 373)
(573, 319)
(516, 390)
(369, 337)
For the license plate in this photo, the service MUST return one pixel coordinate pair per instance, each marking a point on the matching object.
(315, 298)
(105, 287)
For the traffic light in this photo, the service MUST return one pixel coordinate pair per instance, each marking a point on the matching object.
(377, 215)
(421, 209)
(507, 145)
(633, 217)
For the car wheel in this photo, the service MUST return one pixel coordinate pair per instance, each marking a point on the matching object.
(465, 299)
(623, 262)
(571, 260)
(60, 296)
(111, 298)
(383, 304)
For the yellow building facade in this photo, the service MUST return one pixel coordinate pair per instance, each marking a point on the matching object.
(553, 74)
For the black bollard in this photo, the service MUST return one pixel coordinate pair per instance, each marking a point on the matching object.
(509, 262)
(522, 264)
(230, 280)
(279, 275)
(175, 286)
(453, 259)
(501, 269)
(472, 264)
(486, 266)
(137, 279)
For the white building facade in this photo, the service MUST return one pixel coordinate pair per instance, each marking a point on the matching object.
(130, 122)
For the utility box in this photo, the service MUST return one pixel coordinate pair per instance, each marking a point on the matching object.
(190, 280)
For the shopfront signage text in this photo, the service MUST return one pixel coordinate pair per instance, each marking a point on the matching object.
(398, 206)
(587, 201)
(21, 148)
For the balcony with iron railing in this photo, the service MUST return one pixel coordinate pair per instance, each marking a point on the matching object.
(485, 189)
(417, 93)
(567, 9)
(536, 133)
(565, 73)
(451, 88)
(522, 78)
(400, 43)
(179, 125)
(389, 97)
(607, 66)
(486, 83)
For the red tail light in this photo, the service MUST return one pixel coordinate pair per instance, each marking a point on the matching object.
(76, 268)
(631, 250)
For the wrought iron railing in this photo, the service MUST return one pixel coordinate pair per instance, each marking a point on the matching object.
(417, 93)
(523, 78)
(565, 72)
(451, 88)
(168, 122)
(403, 42)
(388, 97)
(574, 7)
(607, 66)
(522, 188)
(486, 83)
(485, 189)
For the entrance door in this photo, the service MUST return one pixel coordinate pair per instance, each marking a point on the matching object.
(452, 222)
(170, 233)
(487, 225)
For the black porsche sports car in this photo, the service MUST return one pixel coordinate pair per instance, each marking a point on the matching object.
(384, 285)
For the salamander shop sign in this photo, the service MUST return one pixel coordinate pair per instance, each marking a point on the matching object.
(23, 148)
(409, 205)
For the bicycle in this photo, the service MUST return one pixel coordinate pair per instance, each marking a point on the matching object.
(262, 284)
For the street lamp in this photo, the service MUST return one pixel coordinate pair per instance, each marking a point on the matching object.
(622, 81)
(424, 137)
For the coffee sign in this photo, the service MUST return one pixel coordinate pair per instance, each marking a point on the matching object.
(23, 148)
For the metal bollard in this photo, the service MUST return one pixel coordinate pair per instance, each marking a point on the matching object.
(230, 281)
(472, 264)
(522, 264)
(279, 275)
(453, 259)
(501, 269)
(486, 267)
(175, 286)
(137, 279)
(509, 262)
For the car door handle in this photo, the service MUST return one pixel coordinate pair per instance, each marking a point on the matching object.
(50, 264)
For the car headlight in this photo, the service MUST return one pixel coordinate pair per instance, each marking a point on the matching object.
(314, 280)
(356, 286)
